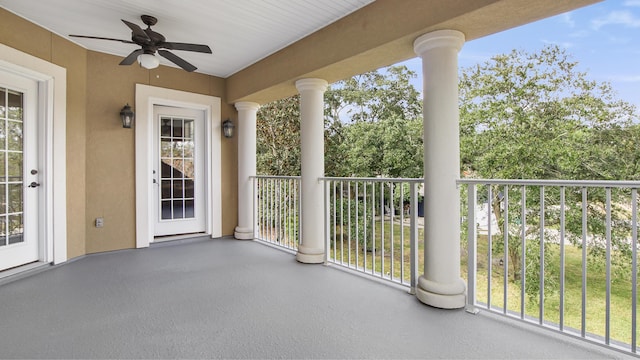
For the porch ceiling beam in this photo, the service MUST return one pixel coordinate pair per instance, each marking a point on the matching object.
(370, 38)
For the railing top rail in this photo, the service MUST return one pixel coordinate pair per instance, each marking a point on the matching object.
(274, 177)
(562, 183)
(371, 179)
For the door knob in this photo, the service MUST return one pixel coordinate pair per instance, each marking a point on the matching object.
(34, 184)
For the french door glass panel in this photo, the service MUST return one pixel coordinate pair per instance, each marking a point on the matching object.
(11, 167)
(178, 168)
(19, 209)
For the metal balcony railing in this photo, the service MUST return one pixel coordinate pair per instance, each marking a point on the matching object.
(560, 254)
(372, 226)
(277, 210)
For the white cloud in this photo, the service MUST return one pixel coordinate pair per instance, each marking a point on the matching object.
(619, 40)
(631, 3)
(624, 18)
(579, 34)
(625, 78)
(567, 19)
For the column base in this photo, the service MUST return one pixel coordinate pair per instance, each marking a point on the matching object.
(310, 255)
(243, 233)
(443, 296)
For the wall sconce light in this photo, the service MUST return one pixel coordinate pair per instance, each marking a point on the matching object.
(127, 116)
(227, 128)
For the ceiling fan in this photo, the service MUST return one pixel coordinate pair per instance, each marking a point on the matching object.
(151, 42)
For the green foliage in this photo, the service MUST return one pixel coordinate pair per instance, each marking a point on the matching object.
(352, 220)
(390, 148)
(278, 138)
(373, 127)
(535, 116)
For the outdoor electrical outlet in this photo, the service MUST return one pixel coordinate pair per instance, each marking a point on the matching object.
(99, 222)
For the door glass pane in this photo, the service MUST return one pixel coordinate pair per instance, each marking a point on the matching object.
(177, 189)
(11, 167)
(177, 209)
(188, 209)
(188, 188)
(3, 133)
(166, 190)
(15, 198)
(3, 214)
(3, 103)
(14, 138)
(14, 100)
(14, 172)
(166, 210)
(177, 173)
(3, 166)
(16, 229)
(165, 148)
(3, 230)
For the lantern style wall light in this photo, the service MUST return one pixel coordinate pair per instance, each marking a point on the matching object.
(127, 116)
(227, 128)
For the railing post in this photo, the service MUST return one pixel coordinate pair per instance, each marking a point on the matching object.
(413, 241)
(327, 210)
(471, 249)
(255, 206)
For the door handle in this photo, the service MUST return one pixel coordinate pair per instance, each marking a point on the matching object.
(34, 184)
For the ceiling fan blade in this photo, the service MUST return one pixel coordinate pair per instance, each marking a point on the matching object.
(177, 60)
(137, 30)
(185, 47)
(103, 38)
(131, 57)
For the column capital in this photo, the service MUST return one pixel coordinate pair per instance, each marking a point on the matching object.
(246, 105)
(311, 84)
(439, 39)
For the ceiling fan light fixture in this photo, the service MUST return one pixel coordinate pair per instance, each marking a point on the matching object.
(149, 42)
(148, 61)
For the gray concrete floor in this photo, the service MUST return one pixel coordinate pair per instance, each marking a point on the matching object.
(226, 298)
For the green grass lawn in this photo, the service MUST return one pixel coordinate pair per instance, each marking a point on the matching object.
(344, 252)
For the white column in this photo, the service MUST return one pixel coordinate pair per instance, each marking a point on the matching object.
(246, 129)
(311, 248)
(440, 285)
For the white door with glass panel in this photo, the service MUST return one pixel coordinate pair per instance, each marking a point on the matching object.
(19, 172)
(179, 171)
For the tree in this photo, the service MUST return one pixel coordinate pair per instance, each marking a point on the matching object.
(536, 116)
(373, 119)
(384, 100)
(278, 137)
(389, 147)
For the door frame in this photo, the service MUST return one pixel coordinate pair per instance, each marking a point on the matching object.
(52, 151)
(146, 98)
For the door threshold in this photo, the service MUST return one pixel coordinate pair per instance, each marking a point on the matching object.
(167, 238)
(19, 272)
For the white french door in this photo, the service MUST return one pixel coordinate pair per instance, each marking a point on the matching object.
(19, 171)
(179, 171)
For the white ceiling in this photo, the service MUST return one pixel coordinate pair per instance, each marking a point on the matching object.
(240, 32)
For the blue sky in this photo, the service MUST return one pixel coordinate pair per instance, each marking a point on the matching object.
(603, 38)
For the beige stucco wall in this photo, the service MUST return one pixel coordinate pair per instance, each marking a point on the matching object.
(100, 153)
(26, 37)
